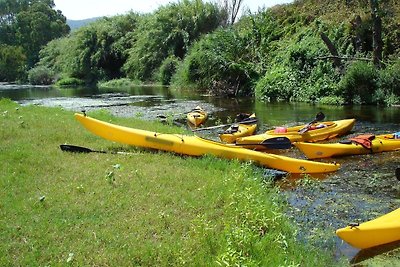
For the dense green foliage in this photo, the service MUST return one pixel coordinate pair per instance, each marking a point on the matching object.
(167, 70)
(289, 59)
(219, 63)
(122, 84)
(170, 31)
(70, 82)
(95, 52)
(141, 209)
(310, 51)
(40, 75)
(28, 25)
(12, 63)
(143, 47)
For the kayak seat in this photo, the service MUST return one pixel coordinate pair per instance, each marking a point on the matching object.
(315, 127)
(346, 142)
(242, 116)
(232, 129)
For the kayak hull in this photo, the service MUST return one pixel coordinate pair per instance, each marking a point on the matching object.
(381, 143)
(331, 130)
(382, 230)
(196, 146)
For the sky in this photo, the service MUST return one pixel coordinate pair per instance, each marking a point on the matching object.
(83, 9)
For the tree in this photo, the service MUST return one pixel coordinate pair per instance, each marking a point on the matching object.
(12, 63)
(170, 31)
(30, 24)
(37, 25)
(231, 9)
(94, 52)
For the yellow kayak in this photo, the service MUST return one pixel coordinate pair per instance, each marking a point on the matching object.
(380, 143)
(196, 146)
(318, 132)
(197, 116)
(244, 128)
(383, 230)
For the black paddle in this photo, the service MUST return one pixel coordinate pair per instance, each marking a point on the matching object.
(280, 142)
(398, 173)
(80, 149)
(252, 121)
(319, 117)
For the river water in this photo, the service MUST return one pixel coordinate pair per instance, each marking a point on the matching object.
(364, 188)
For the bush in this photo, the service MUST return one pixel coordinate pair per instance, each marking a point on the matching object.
(358, 85)
(12, 63)
(332, 100)
(67, 82)
(164, 33)
(118, 83)
(277, 84)
(388, 83)
(167, 70)
(41, 75)
(218, 63)
(321, 82)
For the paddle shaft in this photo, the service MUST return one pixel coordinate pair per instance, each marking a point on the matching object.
(252, 121)
(80, 149)
(319, 117)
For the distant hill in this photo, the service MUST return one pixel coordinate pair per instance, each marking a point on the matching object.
(75, 24)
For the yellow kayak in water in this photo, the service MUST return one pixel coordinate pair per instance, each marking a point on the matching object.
(380, 143)
(383, 230)
(245, 127)
(196, 146)
(197, 116)
(318, 132)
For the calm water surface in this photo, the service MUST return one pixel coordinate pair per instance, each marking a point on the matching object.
(270, 114)
(364, 188)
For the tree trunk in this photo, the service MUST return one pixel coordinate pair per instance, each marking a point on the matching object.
(358, 40)
(332, 49)
(232, 8)
(377, 33)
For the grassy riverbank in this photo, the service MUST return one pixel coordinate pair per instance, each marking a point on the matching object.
(147, 208)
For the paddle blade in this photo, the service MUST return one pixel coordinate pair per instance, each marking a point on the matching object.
(398, 174)
(280, 142)
(319, 117)
(75, 149)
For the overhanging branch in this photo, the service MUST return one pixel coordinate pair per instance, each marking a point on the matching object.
(344, 58)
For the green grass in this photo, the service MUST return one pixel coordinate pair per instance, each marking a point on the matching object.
(146, 209)
(122, 83)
